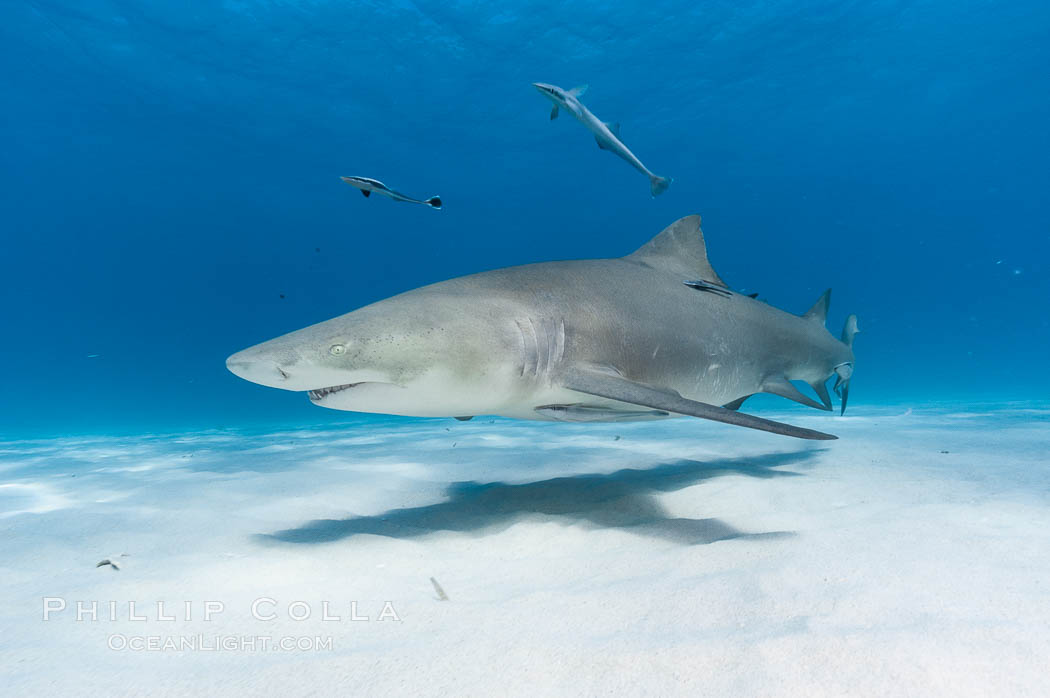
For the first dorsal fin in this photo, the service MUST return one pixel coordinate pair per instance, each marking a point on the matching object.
(819, 311)
(679, 249)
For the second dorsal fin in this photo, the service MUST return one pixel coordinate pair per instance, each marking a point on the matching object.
(819, 311)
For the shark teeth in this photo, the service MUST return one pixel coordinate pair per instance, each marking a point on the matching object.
(321, 392)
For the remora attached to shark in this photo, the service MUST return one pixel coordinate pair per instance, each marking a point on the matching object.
(607, 135)
(654, 334)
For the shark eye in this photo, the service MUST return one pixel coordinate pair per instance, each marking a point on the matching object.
(337, 350)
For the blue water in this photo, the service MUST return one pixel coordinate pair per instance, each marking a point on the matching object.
(170, 169)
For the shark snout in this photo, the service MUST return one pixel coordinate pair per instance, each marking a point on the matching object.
(273, 364)
(259, 369)
(279, 365)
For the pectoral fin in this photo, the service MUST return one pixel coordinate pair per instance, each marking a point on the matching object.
(554, 112)
(588, 413)
(613, 387)
(365, 193)
(600, 142)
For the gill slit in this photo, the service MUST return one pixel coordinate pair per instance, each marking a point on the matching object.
(542, 346)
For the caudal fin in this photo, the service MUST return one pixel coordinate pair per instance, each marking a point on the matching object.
(434, 202)
(850, 330)
(658, 185)
(845, 371)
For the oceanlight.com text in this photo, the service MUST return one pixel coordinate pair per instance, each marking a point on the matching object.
(218, 643)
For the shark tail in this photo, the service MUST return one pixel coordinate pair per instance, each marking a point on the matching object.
(845, 371)
(658, 185)
(434, 202)
(849, 331)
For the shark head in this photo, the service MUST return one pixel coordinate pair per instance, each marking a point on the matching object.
(432, 356)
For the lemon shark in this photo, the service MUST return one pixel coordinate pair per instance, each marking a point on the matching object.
(606, 134)
(651, 335)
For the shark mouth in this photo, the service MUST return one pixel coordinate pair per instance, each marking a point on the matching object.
(320, 393)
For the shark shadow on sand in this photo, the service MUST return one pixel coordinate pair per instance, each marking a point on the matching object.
(625, 499)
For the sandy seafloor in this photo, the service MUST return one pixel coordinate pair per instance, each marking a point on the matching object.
(911, 557)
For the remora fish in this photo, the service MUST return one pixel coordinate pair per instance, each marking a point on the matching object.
(367, 186)
(607, 135)
(654, 334)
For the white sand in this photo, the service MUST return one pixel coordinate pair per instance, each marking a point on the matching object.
(685, 558)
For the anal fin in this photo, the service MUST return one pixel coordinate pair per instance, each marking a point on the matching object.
(779, 385)
(614, 387)
(598, 140)
(822, 392)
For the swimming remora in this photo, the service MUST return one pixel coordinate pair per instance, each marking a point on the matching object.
(607, 135)
(367, 186)
(654, 334)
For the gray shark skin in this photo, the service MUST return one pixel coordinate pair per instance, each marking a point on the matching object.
(607, 135)
(651, 335)
(367, 185)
